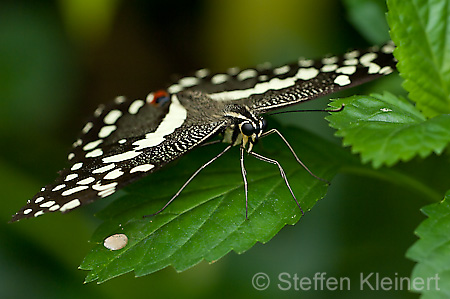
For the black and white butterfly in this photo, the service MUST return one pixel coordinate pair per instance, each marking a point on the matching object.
(131, 138)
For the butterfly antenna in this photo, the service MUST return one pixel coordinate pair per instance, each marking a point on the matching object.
(319, 110)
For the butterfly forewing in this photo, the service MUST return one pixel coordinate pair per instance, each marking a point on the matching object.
(124, 156)
(132, 138)
(266, 89)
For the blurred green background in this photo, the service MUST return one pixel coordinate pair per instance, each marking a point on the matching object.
(60, 59)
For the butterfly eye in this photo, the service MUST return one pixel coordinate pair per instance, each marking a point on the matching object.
(247, 129)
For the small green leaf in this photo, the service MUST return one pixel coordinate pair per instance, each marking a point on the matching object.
(385, 129)
(432, 251)
(420, 30)
(208, 219)
(369, 18)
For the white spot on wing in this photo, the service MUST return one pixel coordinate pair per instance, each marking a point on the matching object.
(99, 187)
(386, 70)
(112, 116)
(367, 58)
(330, 60)
(99, 110)
(175, 88)
(342, 80)
(27, 211)
(282, 70)
(135, 106)
(352, 61)
(305, 62)
(329, 68)
(120, 99)
(388, 48)
(202, 73)
(86, 181)
(71, 156)
(77, 143)
(149, 99)
(113, 174)
(233, 71)
(71, 176)
(53, 208)
(306, 74)
(95, 153)
(92, 145)
(106, 131)
(70, 205)
(219, 79)
(348, 70)
(37, 214)
(173, 120)
(352, 54)
(39, 199)
(104, 168)
(87, 127)
(143, 168)
(59, 187)
(74, 190)
(188, 81)
(106, 192)
(47, 204)
(123, 156)
(373, 68)
(77, 166)
(246, 74)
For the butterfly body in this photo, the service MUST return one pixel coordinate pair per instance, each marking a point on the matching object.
(129, 139)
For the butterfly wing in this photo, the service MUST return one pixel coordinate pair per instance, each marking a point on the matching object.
(122, 143)
(131, 139)
(265, 89)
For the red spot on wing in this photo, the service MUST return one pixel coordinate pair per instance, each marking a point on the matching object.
(160, 97)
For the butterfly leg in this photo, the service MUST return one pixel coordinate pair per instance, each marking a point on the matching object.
(190, 179)
(211, 142)
(244, 176)
(271, 131)
(283, 174)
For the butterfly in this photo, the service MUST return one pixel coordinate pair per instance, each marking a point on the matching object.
(129, 139)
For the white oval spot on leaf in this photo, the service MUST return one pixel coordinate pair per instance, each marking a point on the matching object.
(116, 242)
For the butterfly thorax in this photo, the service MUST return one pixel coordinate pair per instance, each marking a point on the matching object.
(242, 124)
(246, 127)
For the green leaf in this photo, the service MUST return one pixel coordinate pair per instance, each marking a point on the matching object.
(369, 18)
(432, 251)
(385, 129)
(420, 29)
(208, 219)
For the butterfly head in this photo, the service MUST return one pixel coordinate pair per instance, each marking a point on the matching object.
(251, 130)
